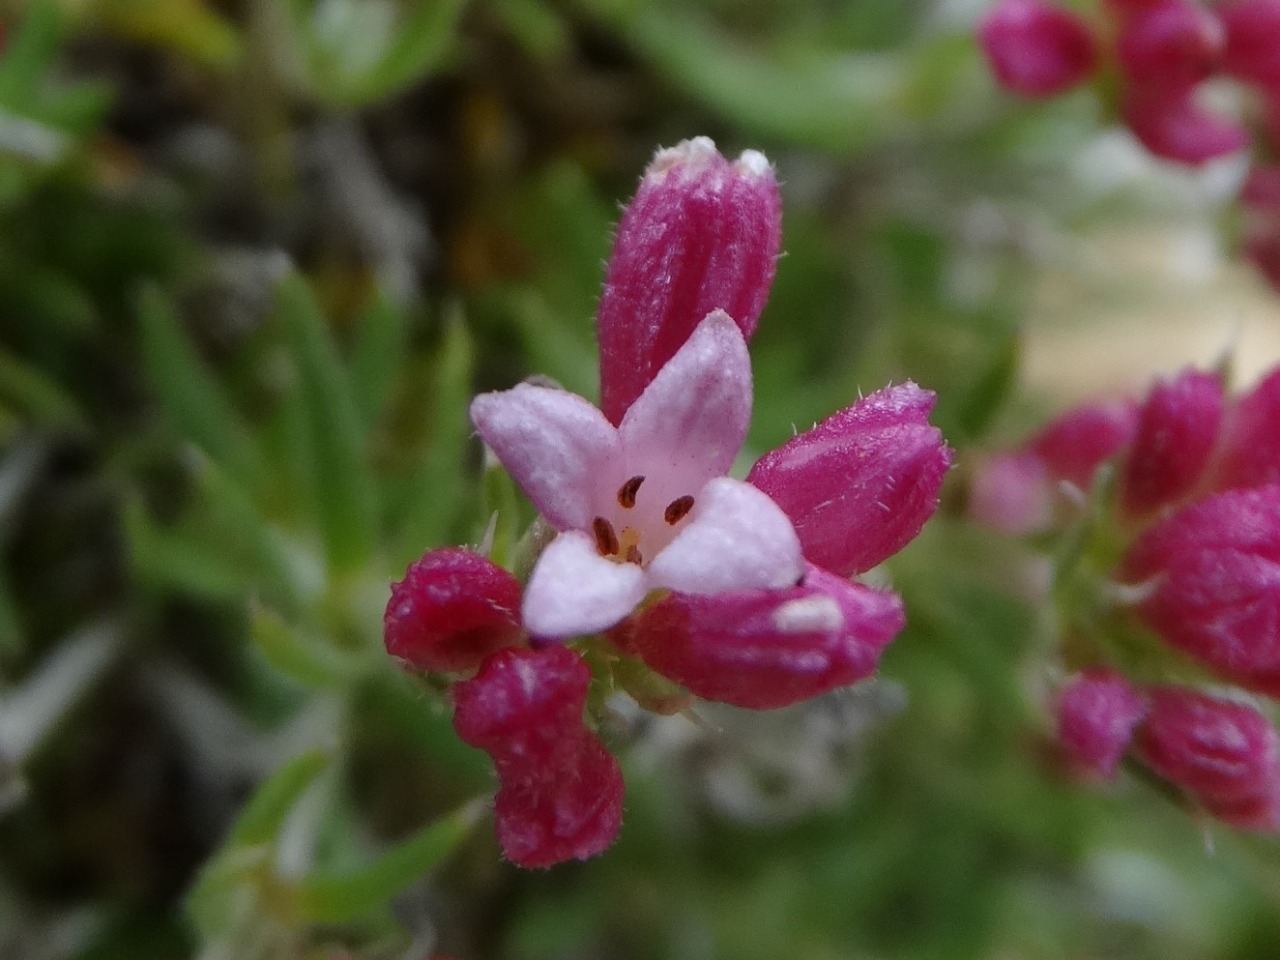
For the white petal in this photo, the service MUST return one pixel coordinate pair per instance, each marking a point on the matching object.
(558, 447)
(690, 422)
(736, 539)
(574, 590)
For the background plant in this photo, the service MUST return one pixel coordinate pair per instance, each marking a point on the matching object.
(255, 258)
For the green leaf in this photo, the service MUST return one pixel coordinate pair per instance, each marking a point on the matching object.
(436, 492)
(41, 398)
(192, 398)
(988, 393)
(420, 43)
(265, 813)
(29, 55)
(300, 656)
(378, 356)
(176, 558)
(343, 897)
(345, 498)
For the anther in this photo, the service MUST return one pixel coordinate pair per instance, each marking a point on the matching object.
(678, 509)
(627, 492)
(633, 556)
(606, 539)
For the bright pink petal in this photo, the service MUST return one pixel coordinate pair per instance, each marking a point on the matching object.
(736, 538)
(557, 446)
(862, 483)
(1171, 124)
(701, 234)
(690, 422)
(1075, 444)
(1037, 49)
(573, 590)
(768, 648)
(1253, 40)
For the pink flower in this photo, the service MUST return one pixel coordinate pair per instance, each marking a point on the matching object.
(861, 484)
(561, 791)
(1011, 493)
(767, 648)
(1172, 124)
(1223, 753)
(1176, 435)
(1213, 571)
(1172, 43)
(643, 505)
(701, 234)
(1253, 41)
(1079, 441)
(1037, 49)
(1097, 714)
(452, 609)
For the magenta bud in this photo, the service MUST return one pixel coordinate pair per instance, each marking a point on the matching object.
(1224, 753)
(1261, 190)
(560, 794)
(1250, 455)
(860, 485)
(1213, 575)
(1170, 43)
(1252, 50)
(1171, 124)
(701, 234)
(768, 648)
(1037, 49)
(452, 609)
(1177, 431)
(1097, 714)
(1075, 444)
(1011, 494)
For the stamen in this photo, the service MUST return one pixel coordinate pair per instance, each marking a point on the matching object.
(606, 539)
(678, 509)
(633, 556)
(627, 492)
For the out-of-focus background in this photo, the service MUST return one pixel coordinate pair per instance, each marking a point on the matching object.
(256, 256)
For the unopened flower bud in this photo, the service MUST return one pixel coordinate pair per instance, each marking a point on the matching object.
(1075, 444)
(1223, 753)
(1037, 49)
(1250, 455)
(701, 234)
(1011, 494)
(1171, 124)
(1252, 50)
(452, 609)
(1171, 43)
(1177, 430)
(1097, 714)
(768, 648)
(861, 484)
(560, 795)
(1213, 574)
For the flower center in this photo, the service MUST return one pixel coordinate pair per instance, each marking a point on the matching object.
(623, 546)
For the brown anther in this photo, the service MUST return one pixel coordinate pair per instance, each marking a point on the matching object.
(627, 492)
(606, 539)
(678, 509)
(633, 556)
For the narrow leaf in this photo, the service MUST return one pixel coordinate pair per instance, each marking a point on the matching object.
(299, 656)
(29, 54)
(345, 498)
(378, 356)
(192, 398)
(41, 398)
(265, 813)
(338, 898)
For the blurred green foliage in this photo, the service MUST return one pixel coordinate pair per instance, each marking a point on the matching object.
(256, 257)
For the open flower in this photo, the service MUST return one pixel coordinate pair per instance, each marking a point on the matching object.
(646, 504)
